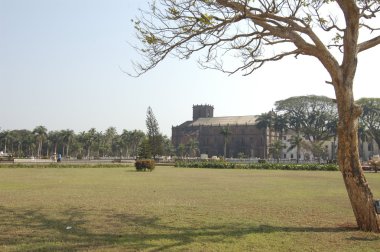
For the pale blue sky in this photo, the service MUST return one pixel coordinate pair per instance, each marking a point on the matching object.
(60, 66)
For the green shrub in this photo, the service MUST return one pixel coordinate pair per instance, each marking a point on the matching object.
(145, 164)
(263, 166)
(219, 164)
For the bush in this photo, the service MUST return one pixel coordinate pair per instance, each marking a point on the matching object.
(145, 164)
(261, 166)
(219, 164)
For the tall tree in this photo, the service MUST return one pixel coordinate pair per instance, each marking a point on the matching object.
(137, 136)
(312, 115)
(276, 149)
(265, 121)
(154, 136)
(88, 139)
(226, 28)
(109, 138)
(125, 139)
(280, 124)
(41, 134)
(54, 138)
(4, 140)
(225, 132)
(66, 139)
(295, 142)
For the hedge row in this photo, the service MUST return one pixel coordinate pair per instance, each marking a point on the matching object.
(264, 166)
(145, 164)
(64, 165)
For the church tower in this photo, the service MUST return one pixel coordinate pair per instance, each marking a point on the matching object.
(202, 111)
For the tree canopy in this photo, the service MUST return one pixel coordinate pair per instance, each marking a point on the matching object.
(313, 116)
(245, 28)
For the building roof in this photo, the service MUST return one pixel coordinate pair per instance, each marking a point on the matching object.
(224, 121)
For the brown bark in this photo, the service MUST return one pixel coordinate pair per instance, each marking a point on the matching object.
(358, 190)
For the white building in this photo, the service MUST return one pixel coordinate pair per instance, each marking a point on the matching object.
(327, 149)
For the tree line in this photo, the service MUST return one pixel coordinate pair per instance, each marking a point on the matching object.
(42, 143)
(314, 120)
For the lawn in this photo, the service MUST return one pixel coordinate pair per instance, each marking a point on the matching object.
(178, 209)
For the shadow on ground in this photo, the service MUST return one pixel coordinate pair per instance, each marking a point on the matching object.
(32, 230)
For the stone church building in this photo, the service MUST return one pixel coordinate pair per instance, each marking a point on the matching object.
(243, 137)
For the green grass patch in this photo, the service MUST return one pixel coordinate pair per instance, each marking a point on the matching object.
(175, 209)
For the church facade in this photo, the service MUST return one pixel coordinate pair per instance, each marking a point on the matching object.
(236, 135)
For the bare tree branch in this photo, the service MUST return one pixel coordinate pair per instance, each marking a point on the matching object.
(369, 44)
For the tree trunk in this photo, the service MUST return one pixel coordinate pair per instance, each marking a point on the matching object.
(298, 153)
(357, 187)
(225, 148)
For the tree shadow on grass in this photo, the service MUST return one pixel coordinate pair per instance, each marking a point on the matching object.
(32, 230)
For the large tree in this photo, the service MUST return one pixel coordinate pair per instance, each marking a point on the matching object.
(311, 115)
(226, 28)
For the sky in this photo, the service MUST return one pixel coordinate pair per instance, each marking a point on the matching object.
(62, 66)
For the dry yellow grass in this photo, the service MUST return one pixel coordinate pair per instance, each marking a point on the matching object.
(174, 209)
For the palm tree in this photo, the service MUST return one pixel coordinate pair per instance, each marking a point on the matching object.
(275, 149)
(87, 140)
(109, 137)
(225, 132)
(295, 142)
(40, 133)
(67, 138)
(136, 138)
(280, 124)
(125, 139)
(54, 137)
(4, 140)
(265, 121)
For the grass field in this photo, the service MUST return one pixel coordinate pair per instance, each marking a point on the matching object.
(177, 209)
